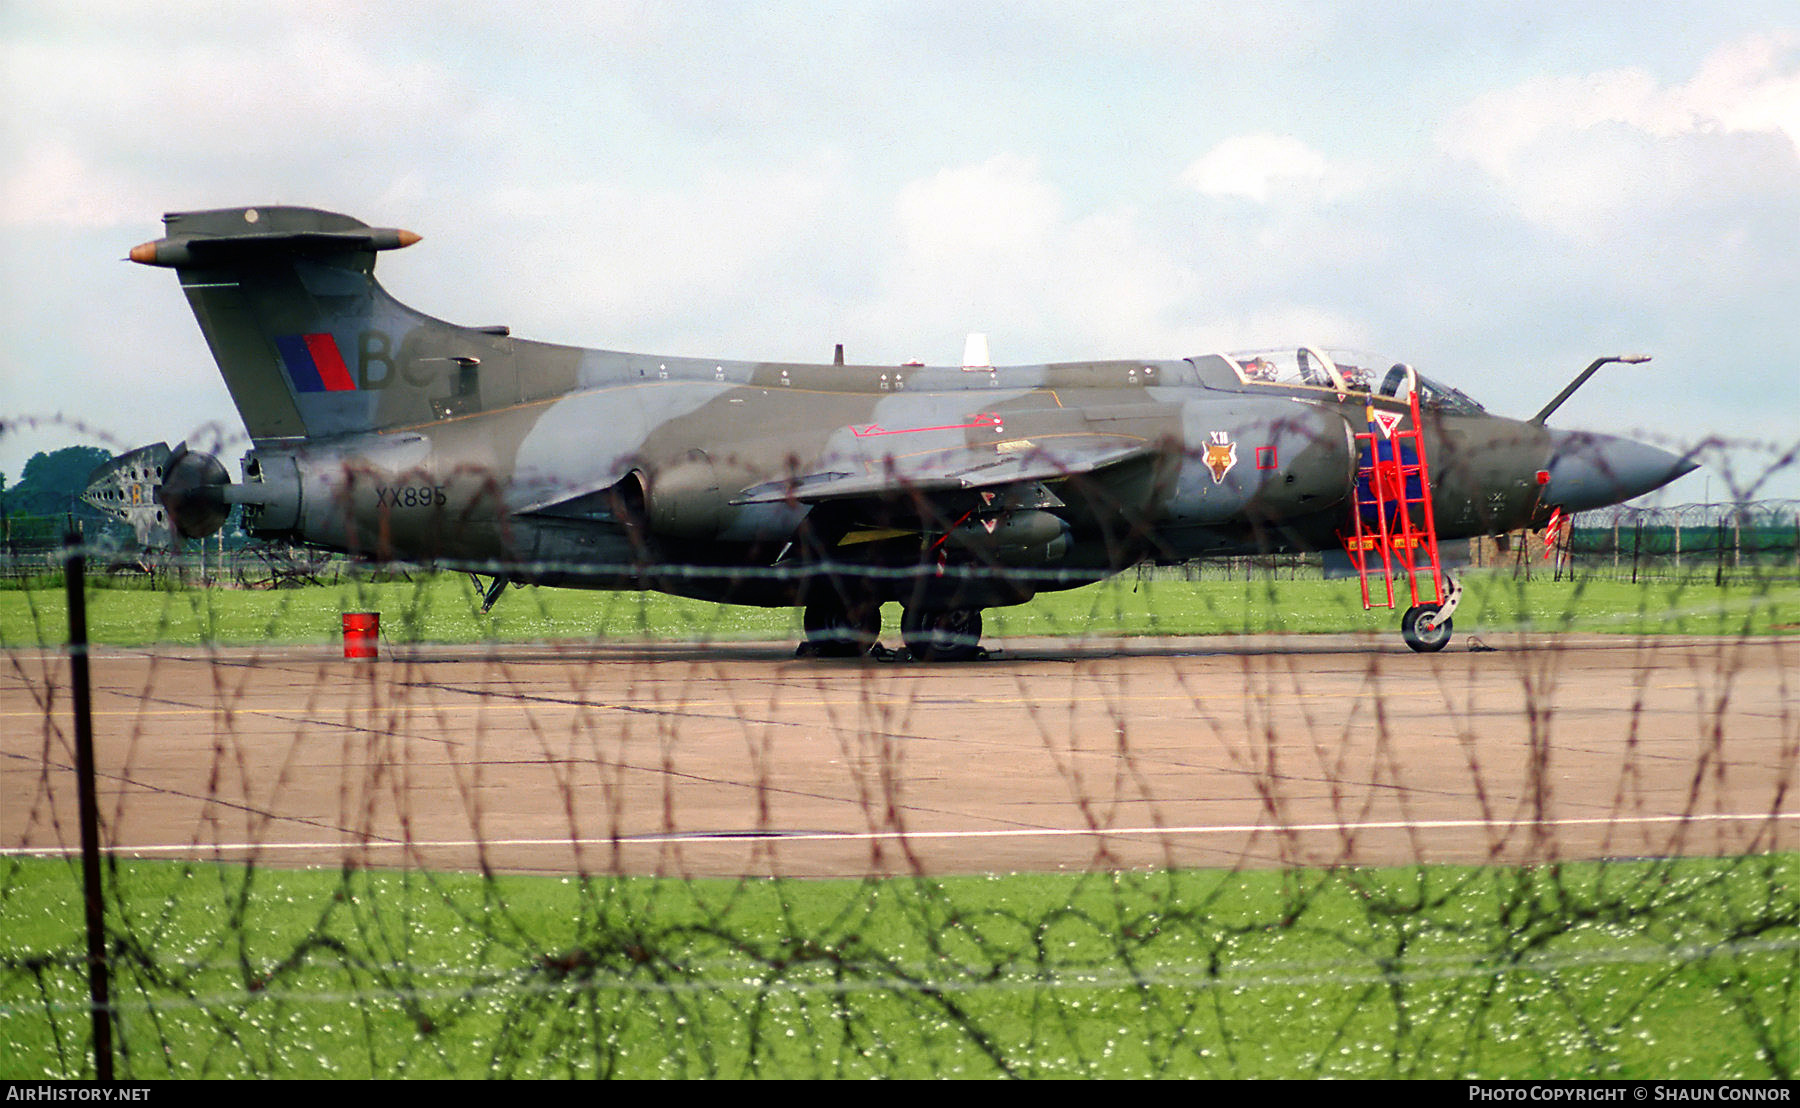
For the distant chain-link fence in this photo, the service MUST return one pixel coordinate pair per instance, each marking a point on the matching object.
(1760, 538)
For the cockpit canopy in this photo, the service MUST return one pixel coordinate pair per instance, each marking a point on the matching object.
(1345, 371)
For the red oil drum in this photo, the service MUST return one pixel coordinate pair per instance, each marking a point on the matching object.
(362, 630)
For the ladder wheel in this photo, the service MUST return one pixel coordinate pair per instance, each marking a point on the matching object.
(1421, 629)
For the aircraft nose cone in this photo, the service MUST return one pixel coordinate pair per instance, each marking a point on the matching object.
(1592, 471)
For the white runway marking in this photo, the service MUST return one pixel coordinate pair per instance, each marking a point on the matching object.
(870, 836)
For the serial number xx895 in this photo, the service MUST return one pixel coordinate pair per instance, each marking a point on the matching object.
(410, 496)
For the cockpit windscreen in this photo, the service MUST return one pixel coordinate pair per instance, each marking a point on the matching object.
(1345, 372)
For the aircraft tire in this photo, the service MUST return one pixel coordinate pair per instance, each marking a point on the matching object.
(1422, 632)
(942, 634)
(837, 630)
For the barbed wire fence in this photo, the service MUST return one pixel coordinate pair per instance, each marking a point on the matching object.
(645, 841)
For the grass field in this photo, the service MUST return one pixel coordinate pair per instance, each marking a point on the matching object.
(444, 607)
(1645, 969)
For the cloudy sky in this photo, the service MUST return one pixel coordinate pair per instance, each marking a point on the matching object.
(1496, 192)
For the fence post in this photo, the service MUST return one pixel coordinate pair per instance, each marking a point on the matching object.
(1719, 567)
(99, 981)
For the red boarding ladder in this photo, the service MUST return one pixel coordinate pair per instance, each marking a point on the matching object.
(1392, 527)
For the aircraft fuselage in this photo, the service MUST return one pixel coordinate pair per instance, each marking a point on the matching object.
(383, 432)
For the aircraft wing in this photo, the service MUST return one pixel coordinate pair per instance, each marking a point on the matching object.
(953, 469)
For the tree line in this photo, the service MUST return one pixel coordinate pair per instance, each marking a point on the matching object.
(38, 507)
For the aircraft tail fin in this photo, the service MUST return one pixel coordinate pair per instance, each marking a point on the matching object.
(289, 304)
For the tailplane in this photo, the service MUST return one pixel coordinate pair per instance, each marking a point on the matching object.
(307, 340)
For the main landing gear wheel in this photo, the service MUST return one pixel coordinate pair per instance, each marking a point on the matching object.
(1423, 630)
(837, 630)
(942, 634)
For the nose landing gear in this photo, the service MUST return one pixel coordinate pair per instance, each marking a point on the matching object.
(1426, 627)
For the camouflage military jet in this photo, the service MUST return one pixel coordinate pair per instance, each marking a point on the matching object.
(383, 432)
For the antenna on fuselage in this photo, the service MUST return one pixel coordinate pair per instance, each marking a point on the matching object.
(975, 352)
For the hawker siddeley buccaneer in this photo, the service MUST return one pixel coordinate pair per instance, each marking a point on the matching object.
(835, 488)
